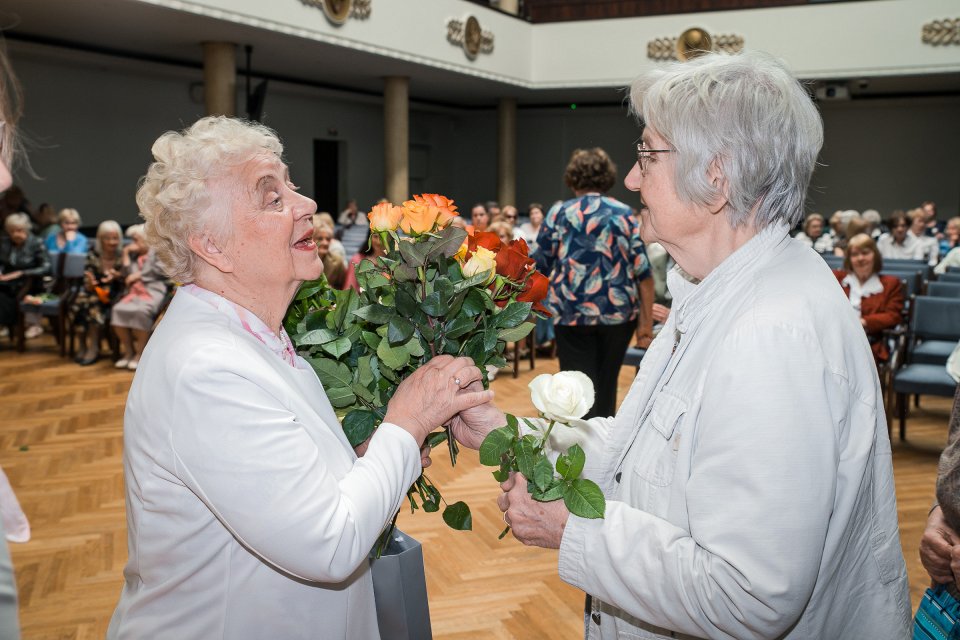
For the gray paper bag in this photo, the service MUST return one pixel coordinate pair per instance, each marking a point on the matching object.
(400, 589)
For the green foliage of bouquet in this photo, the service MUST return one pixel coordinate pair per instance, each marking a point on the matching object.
(438, 289)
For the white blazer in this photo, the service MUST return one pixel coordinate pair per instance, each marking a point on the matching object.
(248, 514)
(748, 471)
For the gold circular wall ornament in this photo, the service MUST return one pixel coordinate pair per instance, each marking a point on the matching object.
(692, 43)
(472, 37)
(337, 11)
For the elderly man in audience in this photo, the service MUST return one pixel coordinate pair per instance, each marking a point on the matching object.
(250, 516)
(874, 222)
(68, 239)
(877, 299)
(813, 234)
(898, 244)
(747, 474)
(133, 314)
(102, 285)
(929, 246)
(23, 263)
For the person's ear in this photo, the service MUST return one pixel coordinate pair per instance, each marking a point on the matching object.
(718, 179)
(209, 250)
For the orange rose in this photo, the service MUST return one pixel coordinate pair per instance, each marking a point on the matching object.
(384, 217)
(418, 217)
(448, 210)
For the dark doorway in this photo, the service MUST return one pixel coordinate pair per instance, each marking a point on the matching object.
(326, 175)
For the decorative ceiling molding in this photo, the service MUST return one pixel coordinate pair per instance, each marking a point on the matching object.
(692, 43)
(338, 11)
(468, 34)
(941, 32)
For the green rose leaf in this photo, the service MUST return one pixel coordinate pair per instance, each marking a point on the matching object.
(526, 457)
(346, 303)
(376, 280)
(399, 330)
(584, 498)
(570, 464)
(457, 516)
(514, 425)
(371, 339)
(359, 425)
(404, 273)
(459, 326)
(341, 397)
(542, 473)
(393, 357)
(553, 492)
(331, 373)
(338, 347)
(375, 313)
(448, 243)
(500, 475)
(489, 340)
(512, 315)
(516, 333)
(414, 348)
(311, 288)
(431, 499)
(472, 281)
(414, 253)
(434, 305)
(365, 370)
(435, 438)
(317, 336)
(498, 442)
(406, 302)
(362, 392)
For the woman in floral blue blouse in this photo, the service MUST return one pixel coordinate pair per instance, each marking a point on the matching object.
(600, 282)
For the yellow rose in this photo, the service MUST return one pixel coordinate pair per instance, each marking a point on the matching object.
(384, 217)
(418, 217)
(461, 254)
(481, 261)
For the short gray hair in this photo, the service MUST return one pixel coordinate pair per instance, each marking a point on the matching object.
(105, 227)
(174, 197)
(748, 113)
(17, 221)
(68, 214)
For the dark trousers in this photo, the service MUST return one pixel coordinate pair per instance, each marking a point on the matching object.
(598, 352)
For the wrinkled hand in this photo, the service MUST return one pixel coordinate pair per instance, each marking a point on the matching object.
(471, 426)
(430, 396)
(936, 547)
(538, 524)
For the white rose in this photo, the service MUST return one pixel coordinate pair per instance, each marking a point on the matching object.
(564, 396)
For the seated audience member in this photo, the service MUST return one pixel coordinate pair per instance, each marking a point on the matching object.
(102, 285)
(371, 249)
(531, 229)
(503, 230)
(14, 201)
(23, 263)
(897, 244)
(68, 239)
(938, 546)
(813, 234)
(851, 224)
(951, 236)
(348, 217)
(331, 253)
(875, 222)
(479, 217)
(493, 209)
(877, 298)
(510, 215)
(45, 221)
(836, 225)
(133, 315)
(952, 259)
(918, 230)
(934, 226)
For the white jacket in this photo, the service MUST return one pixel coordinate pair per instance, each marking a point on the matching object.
(748, 472)
(248, 513)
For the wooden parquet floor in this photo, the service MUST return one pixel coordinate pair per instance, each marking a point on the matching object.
(61, 446)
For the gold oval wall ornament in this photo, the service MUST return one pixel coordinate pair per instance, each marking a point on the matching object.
(692, 43)
(337, 11)
(472, 37)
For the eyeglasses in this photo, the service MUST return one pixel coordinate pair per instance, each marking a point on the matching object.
(643, 154)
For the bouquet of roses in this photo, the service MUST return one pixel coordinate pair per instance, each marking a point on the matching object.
(439, 289)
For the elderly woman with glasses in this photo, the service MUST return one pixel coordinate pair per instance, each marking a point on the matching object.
(249, 515)
(747, 474)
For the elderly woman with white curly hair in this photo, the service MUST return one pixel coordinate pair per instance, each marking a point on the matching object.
(748, 475)
(249, 515)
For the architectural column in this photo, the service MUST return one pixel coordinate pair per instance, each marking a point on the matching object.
(396, 138)
(507, 151)
(510, 6)
(220, 78)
